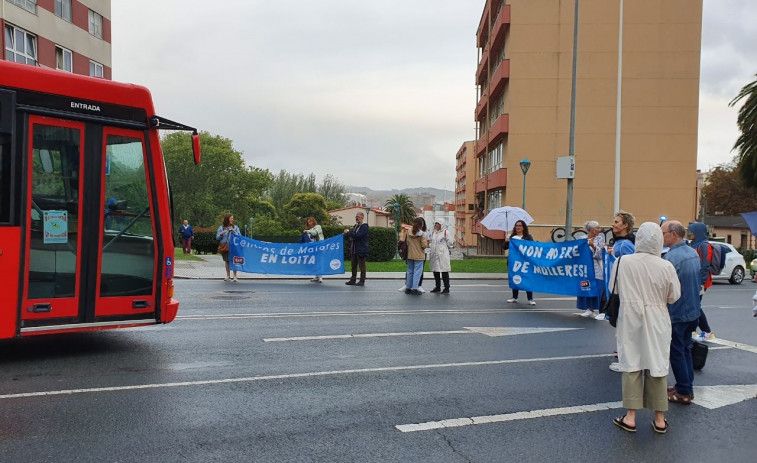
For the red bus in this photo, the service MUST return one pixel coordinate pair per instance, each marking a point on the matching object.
(85, 211)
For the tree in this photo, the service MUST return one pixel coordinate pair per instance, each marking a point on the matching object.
(746, 144)
(286, 185)
(305, 205)
(726, 192)
(331, 189)
(221, 183)
(407, 211)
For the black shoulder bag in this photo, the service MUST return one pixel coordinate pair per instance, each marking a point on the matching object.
(612, 305)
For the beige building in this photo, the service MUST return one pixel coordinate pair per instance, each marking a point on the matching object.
(465, 195)
(69, 35)
(374, 217)
(524, 79)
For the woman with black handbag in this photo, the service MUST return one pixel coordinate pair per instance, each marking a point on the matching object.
(645, 284)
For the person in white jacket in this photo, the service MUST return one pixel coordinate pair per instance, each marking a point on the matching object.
(646, 284)
(440, 242)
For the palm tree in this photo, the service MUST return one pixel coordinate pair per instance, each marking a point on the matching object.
(406, 208)
(747, 142)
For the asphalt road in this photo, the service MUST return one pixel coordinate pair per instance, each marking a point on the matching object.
(271, 371)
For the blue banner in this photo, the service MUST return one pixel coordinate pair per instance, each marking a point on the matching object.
(609, 261)
(555, 268)
(317, 258)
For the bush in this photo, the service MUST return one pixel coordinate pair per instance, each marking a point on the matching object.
(204, 241)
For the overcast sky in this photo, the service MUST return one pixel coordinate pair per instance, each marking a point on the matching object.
(378, 93)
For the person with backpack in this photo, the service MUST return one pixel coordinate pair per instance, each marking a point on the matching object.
(698, 232)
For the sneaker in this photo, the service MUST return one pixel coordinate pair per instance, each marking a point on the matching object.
(588, 313)
(320, 280)
(349, 283)
(436, 290)
(402, 288)
(226, 279)
(512, 299)
(615, 366)
(420, 288)
(235, 280)
(601, 317)
(360, 283)
(445, 291)
(531, 302)
(708, 336)
(314, 280)
(698, 336)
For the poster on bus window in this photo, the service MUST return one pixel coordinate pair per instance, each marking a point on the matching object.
(55, 227)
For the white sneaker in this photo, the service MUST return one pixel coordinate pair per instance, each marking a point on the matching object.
(531, 302)
(615, 366)
(402, 288)
(320, 280)
(235, 280)
(314, 280)
(420, 288)
(588, 313)
(226, 279)
(512, 299)
(601, 317)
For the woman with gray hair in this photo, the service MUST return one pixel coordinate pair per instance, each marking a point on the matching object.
(591, 305)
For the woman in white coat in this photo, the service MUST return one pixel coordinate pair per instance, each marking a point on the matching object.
(440, 242)
(646, 284)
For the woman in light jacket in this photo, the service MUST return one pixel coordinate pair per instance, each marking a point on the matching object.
(440, 243)
(224, 236)
(315, 232)
(416, 255)
(646, 284)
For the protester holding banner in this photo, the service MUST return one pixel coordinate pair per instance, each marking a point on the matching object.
(224, 234)
(439, 258)
(315, 232)
(358, 248)
(622, 234)
(416, 255)
(592, 304)
(645, 284)
(520, 232)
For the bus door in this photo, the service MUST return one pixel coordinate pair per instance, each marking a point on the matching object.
(127, 264)
(53, 219)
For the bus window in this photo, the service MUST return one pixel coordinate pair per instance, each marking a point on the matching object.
(5, 178)
(54, 212)
(128, 254)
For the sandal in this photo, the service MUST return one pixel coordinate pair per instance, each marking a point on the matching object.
(619, 422)
(662, 430)
(677, 398)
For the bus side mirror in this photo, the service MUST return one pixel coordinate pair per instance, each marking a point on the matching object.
(196, 148)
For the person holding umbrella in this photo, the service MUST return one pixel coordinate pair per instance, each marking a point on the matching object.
(520, 232)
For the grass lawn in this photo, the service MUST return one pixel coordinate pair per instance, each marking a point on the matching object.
(179, 255)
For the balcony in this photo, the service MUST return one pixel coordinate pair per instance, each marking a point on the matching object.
(497, 179)
(481, 106)
(483, 65)
(500, 128)
(501, 75)
(482, 33)
(481, 145)
(501, 23)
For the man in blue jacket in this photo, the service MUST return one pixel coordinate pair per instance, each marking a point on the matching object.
(684, 313)
(358, 248)
(186, 232)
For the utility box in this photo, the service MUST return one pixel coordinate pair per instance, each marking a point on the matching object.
(566, 167)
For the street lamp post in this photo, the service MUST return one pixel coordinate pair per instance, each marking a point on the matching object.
(524, 166)
(396, 228)
(367, 213)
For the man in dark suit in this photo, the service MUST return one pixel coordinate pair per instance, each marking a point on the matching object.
(358, 248)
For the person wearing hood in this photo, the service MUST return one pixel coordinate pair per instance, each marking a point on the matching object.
(646, 283)
(698, 232)
(440, 242)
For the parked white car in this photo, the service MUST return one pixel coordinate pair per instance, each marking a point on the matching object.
(735, 266)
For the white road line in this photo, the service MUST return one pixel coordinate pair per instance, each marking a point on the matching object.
(365, 313)
(458, 422)
(296, 375)
(491, 331)
(733, 344)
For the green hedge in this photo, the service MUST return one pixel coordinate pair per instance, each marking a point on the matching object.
(382, 241)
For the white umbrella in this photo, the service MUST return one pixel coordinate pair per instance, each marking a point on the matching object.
(504, 218)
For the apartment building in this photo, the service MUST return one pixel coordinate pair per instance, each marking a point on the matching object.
(69, 35)
(465, 197)
(637, 97)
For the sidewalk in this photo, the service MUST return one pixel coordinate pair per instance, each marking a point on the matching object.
(212, 268)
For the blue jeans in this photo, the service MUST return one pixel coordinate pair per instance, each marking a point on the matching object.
(414, 272)
(680, 356)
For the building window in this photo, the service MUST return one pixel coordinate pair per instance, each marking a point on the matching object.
(20, 46)
(64, 59)
(95, 69)
(63, 9)
(95, 24)
(495, 159)
(28, 5)
(495, 199)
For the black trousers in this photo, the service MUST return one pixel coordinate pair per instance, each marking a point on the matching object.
(358, 261)
(444, 276)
